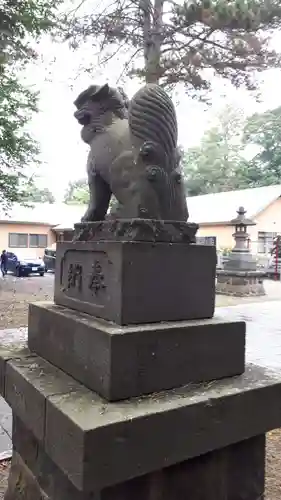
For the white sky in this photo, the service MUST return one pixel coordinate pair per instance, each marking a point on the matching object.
(60, 81)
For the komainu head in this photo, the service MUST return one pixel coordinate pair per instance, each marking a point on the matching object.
(97, 106)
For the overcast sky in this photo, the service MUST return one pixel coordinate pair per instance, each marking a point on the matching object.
(60, 81)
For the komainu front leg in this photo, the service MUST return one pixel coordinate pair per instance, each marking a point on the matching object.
(100, 194)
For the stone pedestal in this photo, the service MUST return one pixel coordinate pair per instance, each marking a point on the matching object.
(136, 282)
(241, 465)
(122, 362)
(118, 396)
(240, 283)
(71, 444)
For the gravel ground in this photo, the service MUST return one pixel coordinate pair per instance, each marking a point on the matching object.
(15, 295)
(273, 465)
(4, 472)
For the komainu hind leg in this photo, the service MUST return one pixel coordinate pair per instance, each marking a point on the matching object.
(124, 186)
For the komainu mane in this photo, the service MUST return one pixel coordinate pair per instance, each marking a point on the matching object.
(133, 153)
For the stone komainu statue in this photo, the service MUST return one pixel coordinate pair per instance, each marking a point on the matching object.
(133, 153)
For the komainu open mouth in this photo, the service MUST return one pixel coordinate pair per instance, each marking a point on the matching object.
(83, 117)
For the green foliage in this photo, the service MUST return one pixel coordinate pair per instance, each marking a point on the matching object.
(21, 23)
(113, 205)
(217, 164)
(264, 130)
(77, 193)
(186, 42)
(17, 148)
(37, 195)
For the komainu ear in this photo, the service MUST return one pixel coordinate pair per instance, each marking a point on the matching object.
(100, 93)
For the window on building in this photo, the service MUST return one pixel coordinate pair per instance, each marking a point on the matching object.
(38, 240)
(265, 241)
(18, 240)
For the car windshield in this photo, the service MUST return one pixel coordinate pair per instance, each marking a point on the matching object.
(30, 258)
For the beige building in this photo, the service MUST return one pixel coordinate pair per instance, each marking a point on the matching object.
(213, 212)
(27, 231)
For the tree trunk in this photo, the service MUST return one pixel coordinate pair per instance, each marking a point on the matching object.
(152, 38)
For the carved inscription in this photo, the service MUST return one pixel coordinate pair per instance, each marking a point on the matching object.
(96, 282)
(74, 276)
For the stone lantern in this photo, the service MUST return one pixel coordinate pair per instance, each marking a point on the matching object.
(240, 276)
(240, 256)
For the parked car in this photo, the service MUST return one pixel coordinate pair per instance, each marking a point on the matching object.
(24, 266)
(50, 259)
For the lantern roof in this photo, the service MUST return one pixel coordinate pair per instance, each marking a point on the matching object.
(241, 220)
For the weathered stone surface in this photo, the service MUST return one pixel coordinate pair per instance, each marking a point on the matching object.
(136, 282)
(22, 484)
(232, 473)
(16, 352)
(28, 381)
(145, 230)
(122, 362)
(163, 429)
(50, 478)
(136, 157)
(241, 262)
(103, 444)
(240, 283)
(236, 471)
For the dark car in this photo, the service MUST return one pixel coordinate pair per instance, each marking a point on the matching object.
(50, 259)
(24, 266)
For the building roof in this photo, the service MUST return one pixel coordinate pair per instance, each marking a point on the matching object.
(214, 208)
(217, 208)
(56, 214)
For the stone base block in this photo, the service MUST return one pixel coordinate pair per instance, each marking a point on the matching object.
(136, 282)
(231, 473)
(97, 445)
(241, 261)
(148, 230)
(122, 362)
(240, 283)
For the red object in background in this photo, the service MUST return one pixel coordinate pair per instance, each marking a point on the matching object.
(277, 250)
(276, 261)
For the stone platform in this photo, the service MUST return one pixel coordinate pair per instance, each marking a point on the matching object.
(32, 466)
(145, 230)
(239, 283)
(58, 423)
(122, 362)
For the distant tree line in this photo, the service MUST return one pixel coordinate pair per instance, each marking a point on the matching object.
(218, 163)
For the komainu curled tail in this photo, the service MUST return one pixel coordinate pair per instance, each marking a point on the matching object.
(154, 134)
(133, 153)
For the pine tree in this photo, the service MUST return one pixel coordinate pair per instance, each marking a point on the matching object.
(169, 41)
